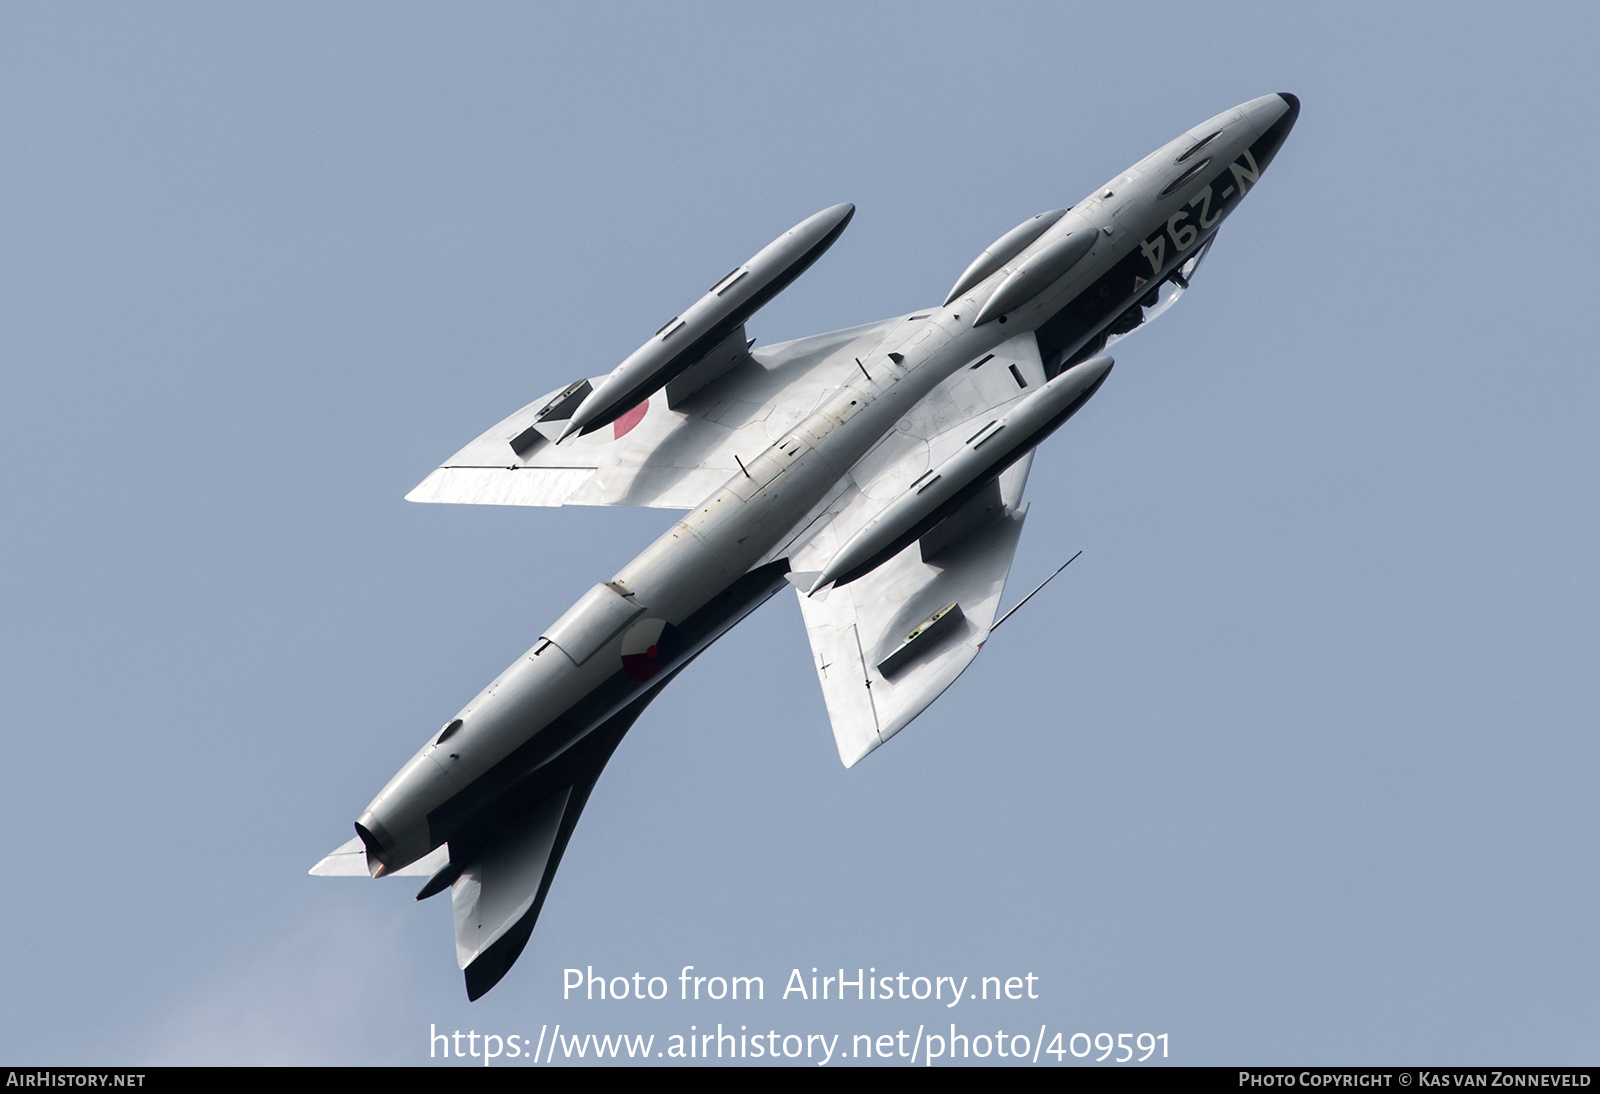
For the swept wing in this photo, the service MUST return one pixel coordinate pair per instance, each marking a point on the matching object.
(888, 644)
(670, 451)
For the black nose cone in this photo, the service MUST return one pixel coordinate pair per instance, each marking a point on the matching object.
(1267, 146)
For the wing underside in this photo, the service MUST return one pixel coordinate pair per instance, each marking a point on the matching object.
(888, 644)
(673, 450)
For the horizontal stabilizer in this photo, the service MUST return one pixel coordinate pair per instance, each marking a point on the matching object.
(350, 860)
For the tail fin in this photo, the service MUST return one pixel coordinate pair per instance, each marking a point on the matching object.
(502, 887)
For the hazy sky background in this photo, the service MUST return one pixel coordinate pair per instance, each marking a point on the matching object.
(1296, 764)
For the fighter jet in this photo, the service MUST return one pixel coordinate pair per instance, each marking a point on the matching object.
(878, 470)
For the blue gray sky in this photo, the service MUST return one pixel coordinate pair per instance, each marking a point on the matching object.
(1296, 764)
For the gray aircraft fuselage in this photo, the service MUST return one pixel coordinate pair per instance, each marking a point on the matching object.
(523, 735)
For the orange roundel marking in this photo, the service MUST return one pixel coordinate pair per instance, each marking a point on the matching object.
(622, 425)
